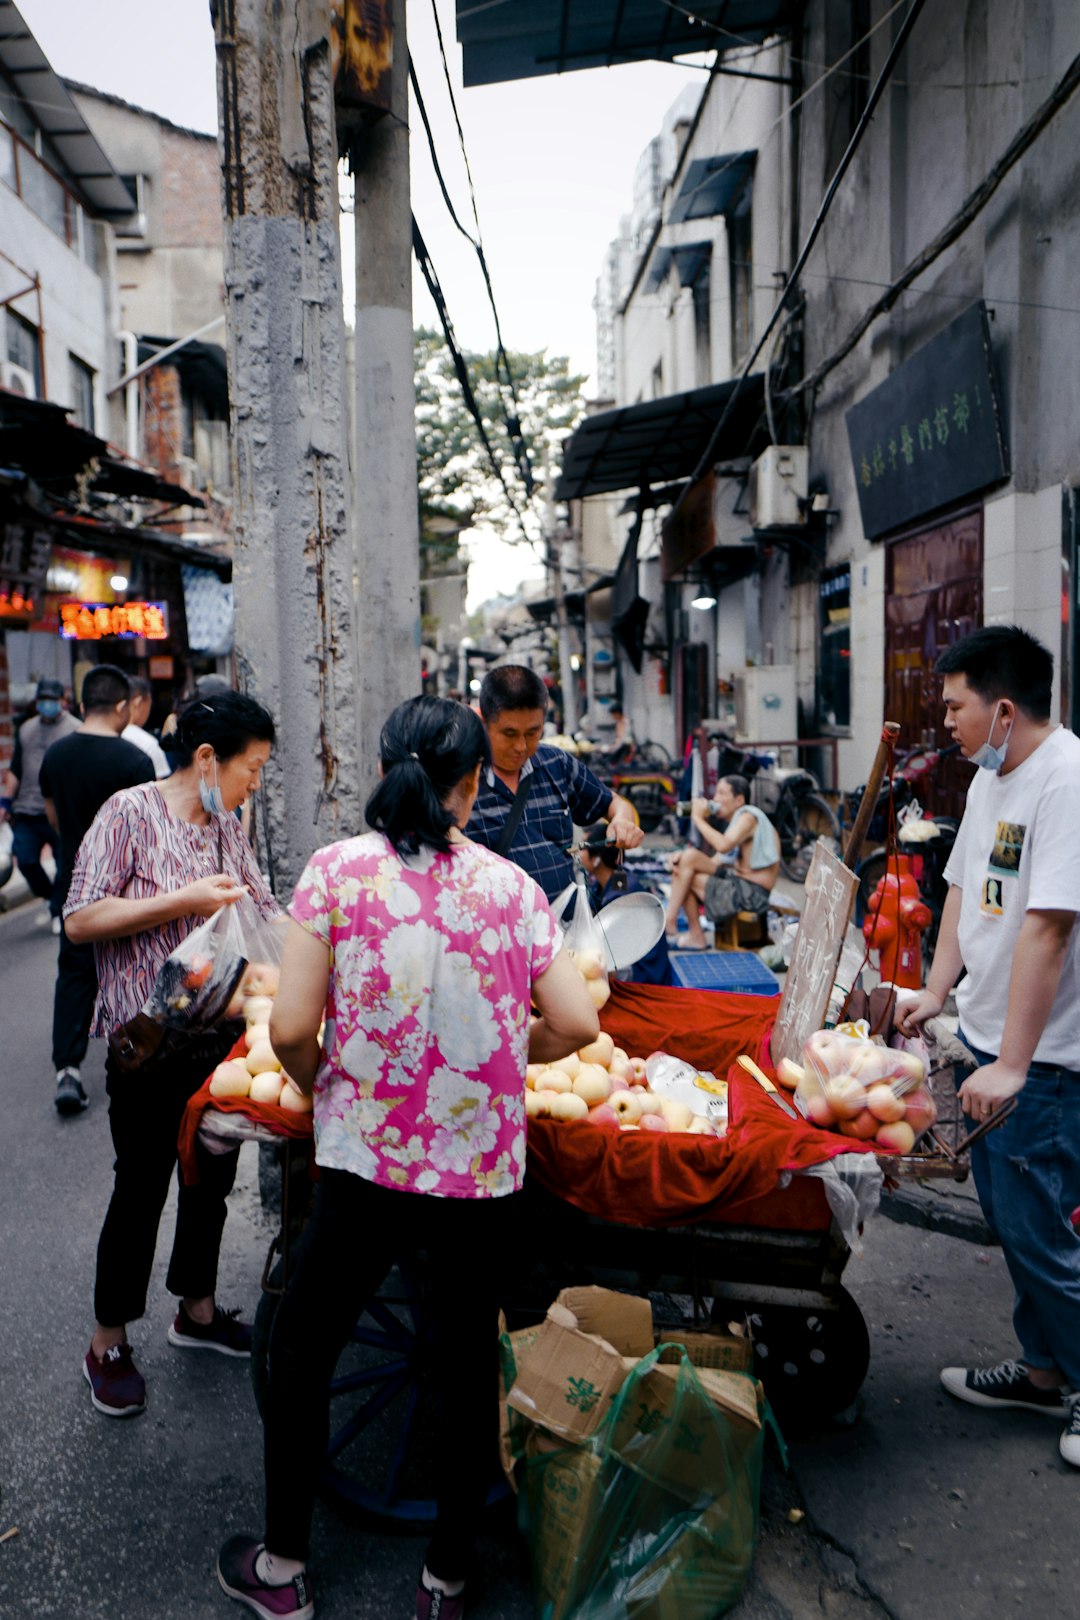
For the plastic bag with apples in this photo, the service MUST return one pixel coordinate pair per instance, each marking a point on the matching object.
(585, 946)
(863, 1088)
(603, 1085)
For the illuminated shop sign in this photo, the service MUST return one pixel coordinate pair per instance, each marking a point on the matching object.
(100, 621)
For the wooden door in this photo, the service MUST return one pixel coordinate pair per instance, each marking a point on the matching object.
(933, 596)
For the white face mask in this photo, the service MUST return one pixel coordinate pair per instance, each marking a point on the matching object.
(212, 801)
(986, 755)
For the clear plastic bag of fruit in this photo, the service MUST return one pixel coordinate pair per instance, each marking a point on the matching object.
(585, 946)
(196, 982)
(865, 1089)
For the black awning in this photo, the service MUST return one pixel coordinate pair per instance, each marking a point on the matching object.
(691, 260)
(710, 186)
(37, 438)
(529, 38)
(659, 440)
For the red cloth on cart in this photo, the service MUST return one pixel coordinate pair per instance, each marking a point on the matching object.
(639, 1178)
(276, 1119)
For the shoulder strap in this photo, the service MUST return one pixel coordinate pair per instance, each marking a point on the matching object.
(513, 820)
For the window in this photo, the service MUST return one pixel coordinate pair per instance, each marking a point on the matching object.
(22, 347)
(834, 676)
(847, 27)
(82, 393)
(7, 158)
(740, 240)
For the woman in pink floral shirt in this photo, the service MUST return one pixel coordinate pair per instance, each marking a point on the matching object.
(426, 951)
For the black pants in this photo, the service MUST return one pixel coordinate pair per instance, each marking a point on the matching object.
(145, 1110)
(356, 1233)
(29, 835)
(73, 1003)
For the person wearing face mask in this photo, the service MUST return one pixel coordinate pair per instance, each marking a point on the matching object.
(157, 860)
(22, 801)
(1010, 922)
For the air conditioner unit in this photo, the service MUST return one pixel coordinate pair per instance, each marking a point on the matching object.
(778, 487)
(17, 380)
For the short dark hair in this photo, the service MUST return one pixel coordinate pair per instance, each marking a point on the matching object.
(228, 722)
(140, 686)
(604, 848)
(511, 686)
(1003, 661)
(103, 688)
(426, 748)
(739, 786)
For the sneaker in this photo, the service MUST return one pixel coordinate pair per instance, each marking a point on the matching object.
(1007, 1384)
(70, 1097)
(1069, 1444)
(236, 1573)
(117, 1387)
(434, 1605)
(225, 1333)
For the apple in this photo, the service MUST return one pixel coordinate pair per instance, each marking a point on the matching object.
(862, 1127)
(619, 1056)
(257, 1009)
(898, 1136)
(230, 1079)
(884, 1104)
(629, 1127)
(819, 1110)
(699, 1126)
(541, 1105)
(553, 1079)
(650, 1104)
(260, 979)
(256, 1035)
(235, 1009)
(265, 1087)
(262, 1059)
(678, 1115)
(626, 1106)
(531, 1072)
(590, 964)
(909, 1067)
(592, 1083)
(570, 1064)
(568, 1106)
(789, 1074)
(599, 992)
(654, 1122)
(599, 1051)
(619, 1069)
(868, 1062)
(603, 1114)
(920, 1110)
(637, 1069)
(847, 1096)
(619, 1082)
(293, 1100)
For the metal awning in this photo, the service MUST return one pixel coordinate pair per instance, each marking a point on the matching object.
(659, 440)
(710, 186)
(25, 64)
(37, 438)
(523, 39)
(690, 259)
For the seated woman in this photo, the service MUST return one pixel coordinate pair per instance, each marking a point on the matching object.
(156, 861)
(425, 950)
(741, 872)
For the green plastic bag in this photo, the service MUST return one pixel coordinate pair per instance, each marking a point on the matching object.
(656, 1516)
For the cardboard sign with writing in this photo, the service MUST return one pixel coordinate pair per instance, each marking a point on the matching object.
(830, 894)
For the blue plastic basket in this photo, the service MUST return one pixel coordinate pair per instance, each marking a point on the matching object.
(738, 972)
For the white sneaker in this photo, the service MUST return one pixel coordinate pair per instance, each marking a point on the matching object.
(56, 925)
(1069, 1444)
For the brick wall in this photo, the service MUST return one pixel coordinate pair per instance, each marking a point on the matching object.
(163, 423)
(190, 191)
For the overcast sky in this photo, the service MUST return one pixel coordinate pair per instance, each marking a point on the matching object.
(552, 158)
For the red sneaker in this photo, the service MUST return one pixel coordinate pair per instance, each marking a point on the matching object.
(225, 1333)
(435, 1605)
(236, 1574)
(117, 1387)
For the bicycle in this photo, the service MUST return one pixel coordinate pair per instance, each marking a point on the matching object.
(790, 798)
(645, 780)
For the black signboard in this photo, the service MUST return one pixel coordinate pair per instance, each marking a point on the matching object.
(25, 550)
(932, 431)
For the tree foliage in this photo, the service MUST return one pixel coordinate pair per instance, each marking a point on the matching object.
(458, 486)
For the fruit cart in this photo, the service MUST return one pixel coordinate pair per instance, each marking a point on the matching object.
(714, 1230)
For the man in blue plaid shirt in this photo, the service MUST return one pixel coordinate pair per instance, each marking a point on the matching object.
(562, 793)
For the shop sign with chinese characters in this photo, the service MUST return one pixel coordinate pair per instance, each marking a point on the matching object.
(98, 621)
(932, 432)
(24, 562)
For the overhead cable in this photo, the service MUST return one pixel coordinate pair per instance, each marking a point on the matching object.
(786, 296)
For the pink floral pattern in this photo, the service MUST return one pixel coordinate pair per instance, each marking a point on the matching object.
(433, 956)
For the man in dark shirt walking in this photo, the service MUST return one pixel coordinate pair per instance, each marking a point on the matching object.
(78, 774)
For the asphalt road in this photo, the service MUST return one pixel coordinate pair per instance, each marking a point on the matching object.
(922, 1510)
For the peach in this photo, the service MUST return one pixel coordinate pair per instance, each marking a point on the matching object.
(884, 1104)
(898, 1136)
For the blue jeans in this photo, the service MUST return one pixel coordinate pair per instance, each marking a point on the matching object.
(29, 835)
(1027, 1173)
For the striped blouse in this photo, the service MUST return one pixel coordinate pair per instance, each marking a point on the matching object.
(136, 849)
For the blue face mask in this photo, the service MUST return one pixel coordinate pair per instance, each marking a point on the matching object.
(987, 756)
(49, 708)
(212, 802)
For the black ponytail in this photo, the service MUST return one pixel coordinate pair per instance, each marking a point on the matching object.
(426, 748)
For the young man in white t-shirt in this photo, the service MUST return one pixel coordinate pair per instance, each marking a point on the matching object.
(1010, 921)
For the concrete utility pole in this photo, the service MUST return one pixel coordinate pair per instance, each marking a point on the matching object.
(387, 518)
(294, 571)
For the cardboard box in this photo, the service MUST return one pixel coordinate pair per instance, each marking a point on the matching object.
(693, 1458)
(727, 1352)
(570, 1375)
(512, 1350)
(565, 1488)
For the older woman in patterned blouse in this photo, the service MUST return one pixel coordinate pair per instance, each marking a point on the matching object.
(156, 861)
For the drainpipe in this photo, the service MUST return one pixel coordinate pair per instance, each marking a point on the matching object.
(131, 395)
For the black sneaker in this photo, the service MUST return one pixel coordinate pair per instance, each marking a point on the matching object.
(1007, 1384)
(70, 1097)
(225, 1333)
(1069, 1444)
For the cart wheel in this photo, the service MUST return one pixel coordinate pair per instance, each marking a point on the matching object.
(812, 1363)
(378, 1413)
